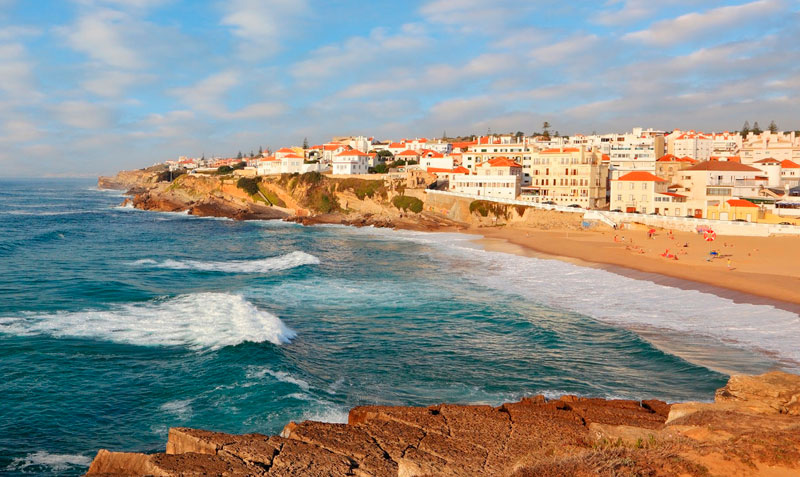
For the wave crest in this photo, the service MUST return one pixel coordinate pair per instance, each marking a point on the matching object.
(197, 321)
(271, 264)
(53, 462)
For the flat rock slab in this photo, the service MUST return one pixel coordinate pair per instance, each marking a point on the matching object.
(752, 427)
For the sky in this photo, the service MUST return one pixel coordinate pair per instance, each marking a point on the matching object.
(94, 86)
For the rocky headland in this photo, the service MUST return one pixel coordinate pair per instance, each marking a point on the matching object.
(751, 428)
(320, 198)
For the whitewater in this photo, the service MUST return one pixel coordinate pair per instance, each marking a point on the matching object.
(117, 324)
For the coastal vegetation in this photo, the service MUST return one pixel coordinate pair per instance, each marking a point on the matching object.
(248, 184)
(406, 203)
(312, 190)
(364, 188)
(272, 197)
(484, 208)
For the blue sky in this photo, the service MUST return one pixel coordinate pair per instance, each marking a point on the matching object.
(93, 86)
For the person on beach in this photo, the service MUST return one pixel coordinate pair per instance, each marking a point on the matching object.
(729, 264)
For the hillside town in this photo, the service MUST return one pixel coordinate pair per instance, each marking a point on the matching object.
(749, 176)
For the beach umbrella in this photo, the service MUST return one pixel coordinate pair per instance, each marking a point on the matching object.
(709, 235)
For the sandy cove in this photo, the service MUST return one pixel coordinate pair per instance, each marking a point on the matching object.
(763, 270)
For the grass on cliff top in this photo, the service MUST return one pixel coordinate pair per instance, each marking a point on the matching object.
(271, 196)
(364, 188)
(407, 203)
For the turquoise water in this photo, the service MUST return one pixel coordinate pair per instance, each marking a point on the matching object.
(116, 324)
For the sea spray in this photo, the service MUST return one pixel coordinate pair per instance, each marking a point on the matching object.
(282, 262)
(197, 321)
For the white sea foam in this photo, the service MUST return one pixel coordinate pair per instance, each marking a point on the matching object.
(281, 262)
(330, 413)
(181, 409)
(54, 462)
(621, 300)
(197, 321)
(260, 373)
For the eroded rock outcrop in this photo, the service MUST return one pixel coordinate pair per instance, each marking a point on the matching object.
(751, 430)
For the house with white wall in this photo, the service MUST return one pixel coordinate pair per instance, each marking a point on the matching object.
(499, 177)
(351, 162)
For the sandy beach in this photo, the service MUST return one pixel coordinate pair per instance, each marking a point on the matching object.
(761, 270)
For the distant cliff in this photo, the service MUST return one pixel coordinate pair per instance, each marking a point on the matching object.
(318, 198)
(752, 428)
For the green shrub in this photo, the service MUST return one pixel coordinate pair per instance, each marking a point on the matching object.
(248, 184)
(406, 203)
(379, 169)
(239, 165)
(224, 170)
(363, 188)
(311, 178)
(322, 201)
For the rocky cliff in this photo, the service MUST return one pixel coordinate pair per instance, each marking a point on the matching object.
(315, 198)
(752, 428)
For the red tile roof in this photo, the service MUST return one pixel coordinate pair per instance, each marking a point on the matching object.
(741, 203)
(787, 164)
(352, 152)
(457, 170)
(768, 160)
(408, 152)
(285, 150)
(500, 162)
(721, 166)
(641, 176)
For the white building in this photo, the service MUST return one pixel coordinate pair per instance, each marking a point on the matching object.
(780, 146)
(436, 160)
(643, 192)
(499, 177)
(692, 144)
(351, 162)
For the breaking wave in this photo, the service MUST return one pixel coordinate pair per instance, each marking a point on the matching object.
(282, 262)
(36, 461)
(196, 321)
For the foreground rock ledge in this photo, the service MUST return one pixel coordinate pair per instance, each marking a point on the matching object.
(752, 428)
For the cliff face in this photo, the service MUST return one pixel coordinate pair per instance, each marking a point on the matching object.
(315, 198)
(139, 179)
(753, 428)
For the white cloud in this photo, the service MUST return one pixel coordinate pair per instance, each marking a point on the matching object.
(695, 25)
(18, 130)
(257, 110)
(261, 25)
(100, 34)
(359, 52)
(477, 16)
(111, 83)
(83, 115)
(209, 96)
(16, 71)
(569, 51)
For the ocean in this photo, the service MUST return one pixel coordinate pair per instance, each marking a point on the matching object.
(116, 324)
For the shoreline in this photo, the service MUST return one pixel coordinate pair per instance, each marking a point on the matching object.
(505, 245)
(747, 287)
